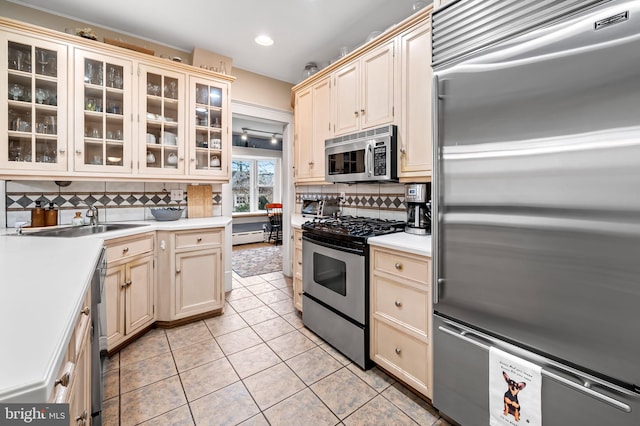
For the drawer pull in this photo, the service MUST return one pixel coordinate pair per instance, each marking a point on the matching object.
(199, 239)
(398, 351)
(125, 250)
(398, 303)
(125, 284)
(63, 380)
(86, 311)
(299, 263)
(398, 265)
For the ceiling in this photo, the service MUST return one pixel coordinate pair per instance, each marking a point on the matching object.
(303, 30)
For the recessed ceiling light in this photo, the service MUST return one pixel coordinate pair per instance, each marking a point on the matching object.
(264, 40)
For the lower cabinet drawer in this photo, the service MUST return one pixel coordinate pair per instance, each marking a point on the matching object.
(198, 238)
(130, 247)
(401, 303)
(402, 266)
(402, 354)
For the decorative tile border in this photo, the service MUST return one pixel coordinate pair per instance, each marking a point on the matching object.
(21, 201)
(393, 202)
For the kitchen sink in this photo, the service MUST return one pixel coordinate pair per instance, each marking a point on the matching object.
(79, 231)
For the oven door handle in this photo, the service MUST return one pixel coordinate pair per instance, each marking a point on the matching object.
(333, 247)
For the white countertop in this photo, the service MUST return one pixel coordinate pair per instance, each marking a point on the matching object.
(43, 283)
(411, 243)
(297, 220)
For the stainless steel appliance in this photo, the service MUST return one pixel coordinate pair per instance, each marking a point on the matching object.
(418, 200)
(98, 332)
(314, 207)
(367, 156)
(335, 265)
(537, 177)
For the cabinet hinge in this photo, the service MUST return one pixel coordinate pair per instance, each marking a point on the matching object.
(153, 309)
(329, 126)
(138, 70)
(393, 111)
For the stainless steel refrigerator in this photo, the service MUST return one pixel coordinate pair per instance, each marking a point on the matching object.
(537, 200)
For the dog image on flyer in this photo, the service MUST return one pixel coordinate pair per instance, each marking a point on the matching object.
(511, 404)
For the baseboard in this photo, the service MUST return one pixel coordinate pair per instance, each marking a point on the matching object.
(247, 237)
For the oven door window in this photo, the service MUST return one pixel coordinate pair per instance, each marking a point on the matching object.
(330, 273)
(350, 162)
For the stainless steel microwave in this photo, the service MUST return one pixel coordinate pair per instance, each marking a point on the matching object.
(367, 156)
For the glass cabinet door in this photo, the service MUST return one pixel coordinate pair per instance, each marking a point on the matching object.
(34, 104)
(103, 117)
(161, 137)
(208, 143)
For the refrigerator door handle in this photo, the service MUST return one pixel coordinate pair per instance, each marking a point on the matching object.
(585, 387)
(435, 215)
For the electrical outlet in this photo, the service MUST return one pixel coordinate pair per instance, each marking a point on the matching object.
(342, 197)
(177, 195)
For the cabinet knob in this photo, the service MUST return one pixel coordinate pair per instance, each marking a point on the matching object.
(86, 311)
(78, 152)
(125, 284)
(125, 250)
(62, 151)
(355, 113)
(199, 239)
(82, 420)
(177, 271)
(63, 380)
(299, 263)
(181, 159)
(403, 150)
(398, 265)
(398, 351)
(193, 160)
(398, 303)
(362, 111)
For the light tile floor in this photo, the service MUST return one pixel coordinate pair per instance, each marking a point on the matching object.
(254, 365)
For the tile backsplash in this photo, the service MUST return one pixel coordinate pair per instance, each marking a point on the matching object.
(384, 201)
(116, 201)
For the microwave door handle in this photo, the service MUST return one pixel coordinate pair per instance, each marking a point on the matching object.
(367, 160)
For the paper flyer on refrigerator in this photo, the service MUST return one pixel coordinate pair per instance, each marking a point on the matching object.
(515, 387)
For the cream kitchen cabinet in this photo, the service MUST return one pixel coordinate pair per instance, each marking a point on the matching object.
(73, 383)
(191, 273)
(161, 134)
(312, 127)
(400, 309)
(364, 91)
(129, 287)
(437, 4)
(103, 113)
(297, 268)
(415, 132)
(33, 110)
(209, 145)
(116, 112)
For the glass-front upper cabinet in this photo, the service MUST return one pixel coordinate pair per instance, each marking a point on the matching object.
(161, 137)
(33, 110)
(208, 151)
(103, 113)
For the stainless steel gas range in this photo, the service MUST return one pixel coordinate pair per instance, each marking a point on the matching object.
(335, 280)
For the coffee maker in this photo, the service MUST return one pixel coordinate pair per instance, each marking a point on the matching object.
(418, 199)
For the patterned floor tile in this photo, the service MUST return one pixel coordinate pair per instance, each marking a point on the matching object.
(224, 324)
(207, 378)
(290, 344)
(151, 401)
(256, 279)
(376, 378)
(272, 328)
(227, 406)
(311, 335)
(260, 288)
(237, 341)
(334, 353)
(272, 385)
(257, 420)
(147, 371)
(273, 296)
(246, 303)
(411, 404)
(180, 416)
(343, 392)
(253, 360)
(294, 318)
(153, 343)
(280, 282)
(188, 335)
(238, 293)
(303, 408)
(378, 411)
(195, 355)
(283, 307)
(313, 365)
(271, 276)
(257, 315)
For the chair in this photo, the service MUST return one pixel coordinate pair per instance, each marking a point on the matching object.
(274, 213)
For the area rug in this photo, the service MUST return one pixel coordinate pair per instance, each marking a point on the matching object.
(258, 261)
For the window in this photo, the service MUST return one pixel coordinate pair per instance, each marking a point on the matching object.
(255, 183)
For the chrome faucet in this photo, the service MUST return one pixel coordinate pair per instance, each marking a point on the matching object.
(92, 214)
